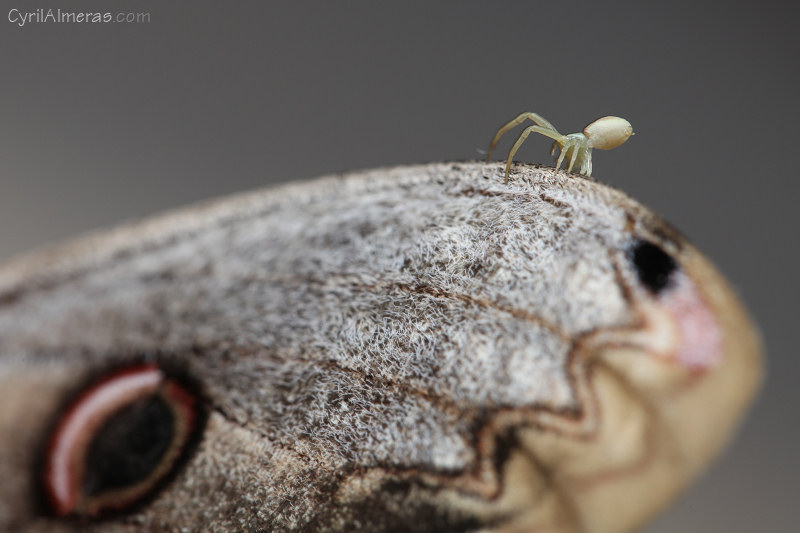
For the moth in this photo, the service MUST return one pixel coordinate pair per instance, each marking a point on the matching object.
(420, 348)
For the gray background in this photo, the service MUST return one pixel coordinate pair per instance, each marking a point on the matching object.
(102, 123)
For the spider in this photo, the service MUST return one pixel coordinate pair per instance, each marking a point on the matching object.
(604, 133)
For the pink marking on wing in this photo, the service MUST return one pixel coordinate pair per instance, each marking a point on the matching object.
(700, 346)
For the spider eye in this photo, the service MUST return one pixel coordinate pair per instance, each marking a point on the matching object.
(116, 442)
(654, 267)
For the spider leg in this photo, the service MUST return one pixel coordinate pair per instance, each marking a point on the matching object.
(587, 164)
(524, 135)
(575, 148)
(522, 117)
(564, 148)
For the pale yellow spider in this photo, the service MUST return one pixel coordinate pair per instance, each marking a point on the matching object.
(604, 133)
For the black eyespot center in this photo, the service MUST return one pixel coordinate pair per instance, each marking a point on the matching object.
(654, 267)
(129, 446)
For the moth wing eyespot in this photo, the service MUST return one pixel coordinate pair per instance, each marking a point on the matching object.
(118, 440)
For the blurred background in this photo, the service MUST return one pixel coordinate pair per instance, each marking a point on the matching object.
(101, 123)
